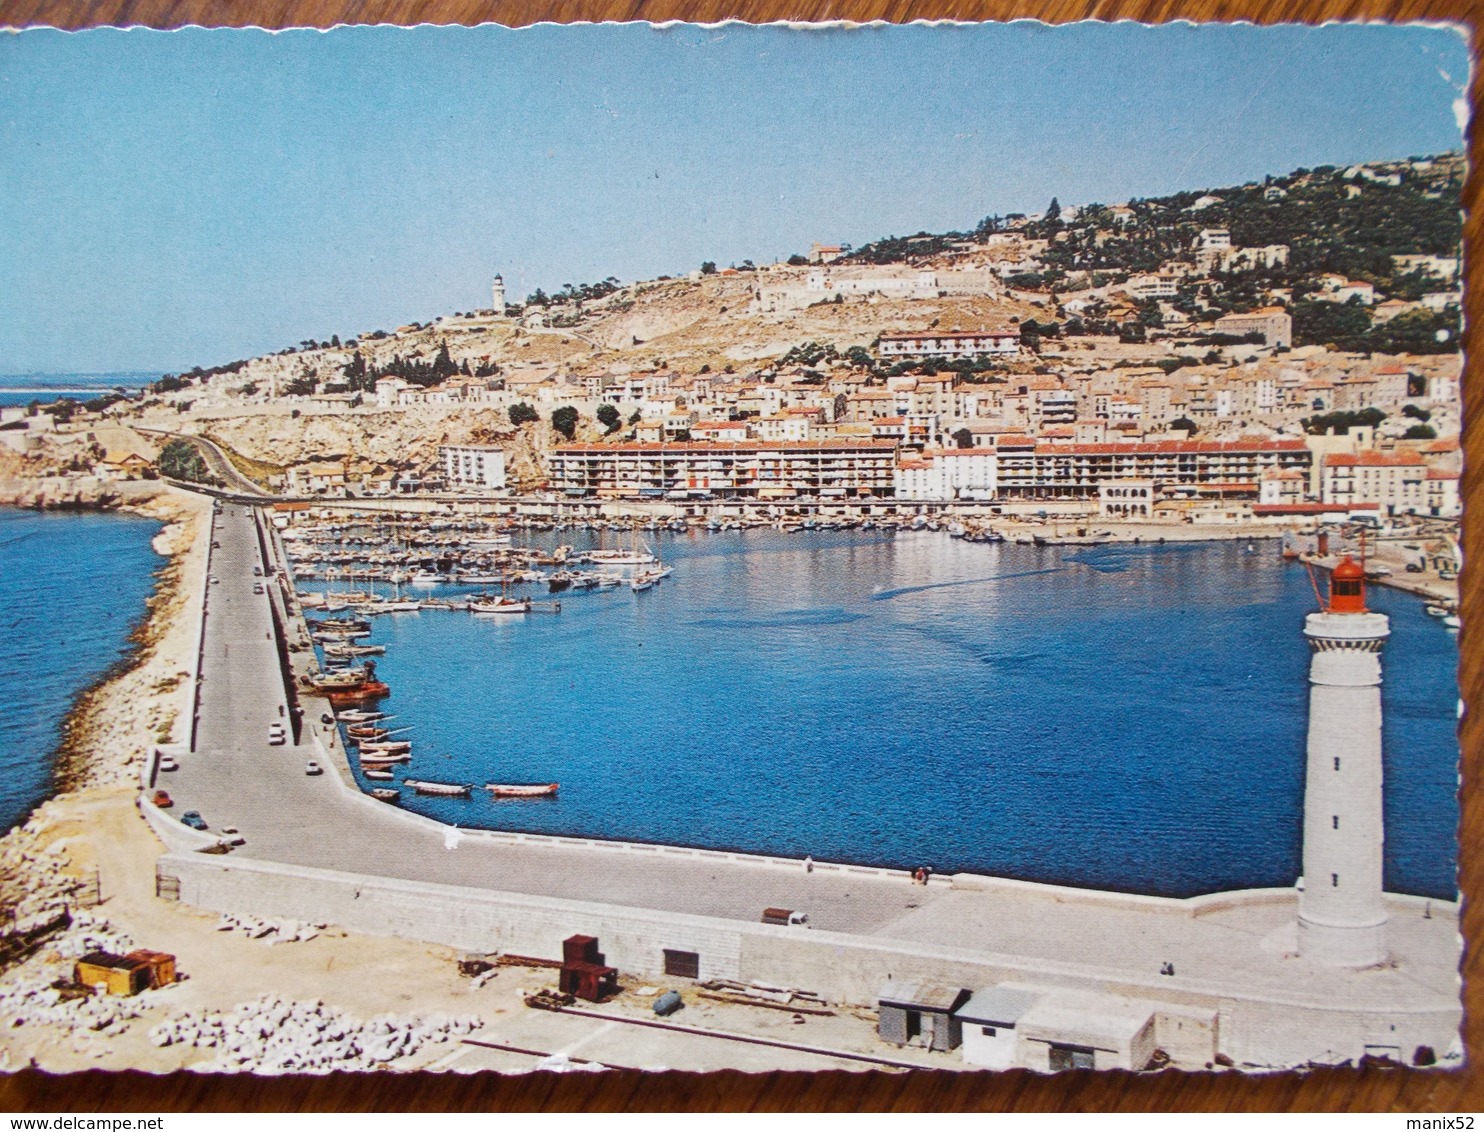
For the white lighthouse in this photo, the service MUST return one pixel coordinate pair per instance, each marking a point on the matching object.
(1342, 913)
(497, 296)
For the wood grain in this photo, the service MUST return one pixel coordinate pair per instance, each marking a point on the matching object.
(1368, 1089)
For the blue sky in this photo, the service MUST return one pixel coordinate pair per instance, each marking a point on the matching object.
(173, 199)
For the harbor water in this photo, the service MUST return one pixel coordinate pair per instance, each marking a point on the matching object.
(73, 587)
(1117, 717)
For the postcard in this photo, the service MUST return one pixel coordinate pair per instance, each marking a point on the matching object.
(691, 547)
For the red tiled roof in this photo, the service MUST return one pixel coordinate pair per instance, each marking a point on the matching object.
(683, 446)
(1373, 460)
(1175, 447)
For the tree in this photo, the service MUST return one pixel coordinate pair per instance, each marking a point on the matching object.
(443, 364)
(564, 420)
(608, 417)
(1053, 210)
(181, 461)
(636, 418)
(964, 438)
(708, 267)
(521, 413)
(1416, 412)
(1184, 424)
(1420, 432)
(797, 260)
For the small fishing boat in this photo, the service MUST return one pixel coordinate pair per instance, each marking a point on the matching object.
(358, 716)
(1453, 621)
(644, 579)
(515, 790)
(426, 578)
(385, 748)
(386, 794)
(377, 775)
(559, 580)
(442, 789)
(499, 606)
(359, 694)
(344, 650)
(381, 761)
(1437, 610)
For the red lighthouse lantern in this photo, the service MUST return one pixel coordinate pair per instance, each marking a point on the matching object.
(1347, 587)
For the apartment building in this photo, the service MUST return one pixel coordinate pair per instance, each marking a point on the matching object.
(754, 469)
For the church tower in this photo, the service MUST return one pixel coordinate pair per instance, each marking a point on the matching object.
(1342, 912)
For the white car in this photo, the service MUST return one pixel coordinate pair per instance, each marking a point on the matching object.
(168, 763)
(231, 835)
(313, 768)
(277, 737)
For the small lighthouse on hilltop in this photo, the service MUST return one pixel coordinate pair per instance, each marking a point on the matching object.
(497, 296)
(1342, 912)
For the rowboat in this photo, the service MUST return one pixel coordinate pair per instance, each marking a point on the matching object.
(384, 749)
(358, 716)
(379, 775)
(512, 790)
(381, 762)
(445, 789)
(384, 794)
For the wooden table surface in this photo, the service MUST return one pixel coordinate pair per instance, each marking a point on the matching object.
(1396, 1090)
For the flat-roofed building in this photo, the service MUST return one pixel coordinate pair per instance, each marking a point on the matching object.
(1038, 470)
(479, 466)
(1273, 323)
(820, 469)
(951, 343)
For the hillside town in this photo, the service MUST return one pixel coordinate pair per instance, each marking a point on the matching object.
(1285, 351)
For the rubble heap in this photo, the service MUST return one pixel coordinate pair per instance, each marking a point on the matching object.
(275, 1035)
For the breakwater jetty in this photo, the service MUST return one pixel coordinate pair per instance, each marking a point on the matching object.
(1219, 974)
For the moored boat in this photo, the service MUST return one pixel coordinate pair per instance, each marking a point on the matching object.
(517, 790)
(376, 774)
(499, 605)
(358, 694)
(442, 789)
(386, 794)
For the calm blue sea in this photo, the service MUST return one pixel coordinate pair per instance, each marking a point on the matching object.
(71, 588)
(1120, 717)
(22, 389)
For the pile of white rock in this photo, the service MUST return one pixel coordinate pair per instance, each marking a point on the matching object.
(275, 1035)
(273, 931)
(91, 932)
(33, 875)
(31, 1000)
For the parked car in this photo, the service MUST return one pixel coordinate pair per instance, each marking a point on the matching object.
(231, 835)
(276, 735)
(193, 819)
(312, 768)
(168, 763)
(257, 587)
(162, 800)
(257, 571)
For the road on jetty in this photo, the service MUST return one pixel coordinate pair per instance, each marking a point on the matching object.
(235, 778)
